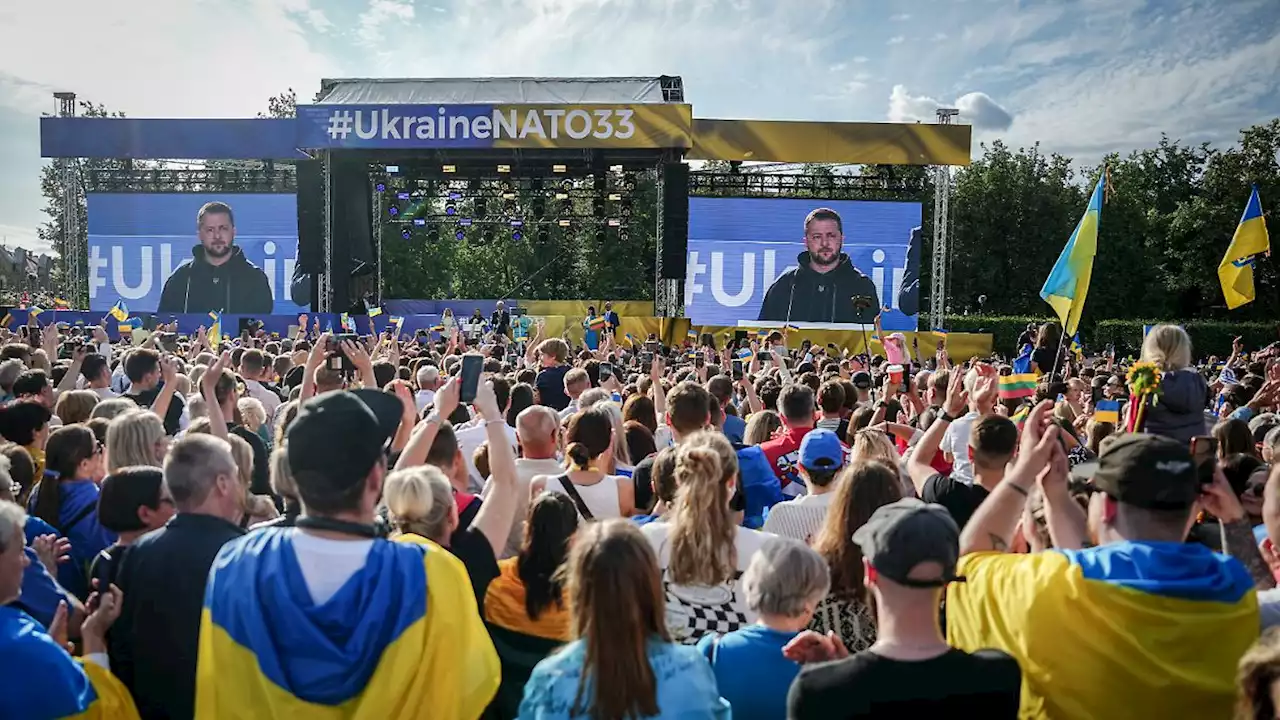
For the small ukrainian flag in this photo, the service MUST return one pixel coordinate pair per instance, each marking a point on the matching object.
(375, 312)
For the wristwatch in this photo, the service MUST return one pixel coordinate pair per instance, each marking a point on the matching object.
(945, 417)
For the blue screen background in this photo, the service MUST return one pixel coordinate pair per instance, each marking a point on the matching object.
(738, 246)
(136, 240)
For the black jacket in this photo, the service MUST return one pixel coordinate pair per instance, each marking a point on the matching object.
(154, 642)
(909, 294)
(803, 295)
(235, 287)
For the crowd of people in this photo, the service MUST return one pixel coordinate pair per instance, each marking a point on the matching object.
(358, 526)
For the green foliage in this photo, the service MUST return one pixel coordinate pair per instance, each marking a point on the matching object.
(1005, 329)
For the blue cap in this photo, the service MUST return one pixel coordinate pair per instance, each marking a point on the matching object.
(821, 450)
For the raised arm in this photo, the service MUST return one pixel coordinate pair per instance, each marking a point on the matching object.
(315, 359)
(208, 390)
(498, 511)
(169, 378)
(415, 452)
(918, 465)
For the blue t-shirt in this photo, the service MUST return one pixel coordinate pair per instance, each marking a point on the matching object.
(750, 670)
(734, 428)
(685, 686)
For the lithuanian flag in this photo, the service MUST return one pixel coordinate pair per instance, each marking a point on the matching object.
(596, 323)
(1013, 387)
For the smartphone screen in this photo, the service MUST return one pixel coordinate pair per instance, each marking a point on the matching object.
(472, 364)
(1204, 453)
(699, 361)
(737, 369)
(765, 356)
(651, 345)
(606, 371)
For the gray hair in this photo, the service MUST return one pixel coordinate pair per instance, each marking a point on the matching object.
(193, 465)
(784, 576)
(112, 408)
(537, 423)
(592, 397)
(427, 374)
(9, 372)
(12, 521)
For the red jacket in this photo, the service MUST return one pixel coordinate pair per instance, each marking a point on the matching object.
(783, 454)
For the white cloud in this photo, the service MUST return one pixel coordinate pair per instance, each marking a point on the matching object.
(22, 236)
(939, 36)
(976, 108)
(900, 17)
(860, 59)
(896, 40)
(380, 14)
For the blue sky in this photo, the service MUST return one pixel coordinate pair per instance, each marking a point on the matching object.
(1081, 77)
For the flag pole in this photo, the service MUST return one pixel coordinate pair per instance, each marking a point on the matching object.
(1058, 358)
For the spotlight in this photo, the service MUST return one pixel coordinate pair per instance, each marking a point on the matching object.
(460, 235)
(455, 196)
(563, 223)
(419, 221)
(566, 185)
(402, 196)
(623, 235)
(615, 168)
(626, 211)
(559, 168)
(562, 196)
(393, 169)
(449, 169)
(406, 234)
(393, 211)
(516, 235)
(509, 207)
(615, 197)
(517, 223)
(380, 187)
(465, 222)
(504, 168)
(508, 195)
(629, 183)
(615, 222)
(450, 209)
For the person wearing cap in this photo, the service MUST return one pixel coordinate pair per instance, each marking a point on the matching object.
(821, 458)
(910, 551)
(328, 617)
(1141, 624)
(862, 382)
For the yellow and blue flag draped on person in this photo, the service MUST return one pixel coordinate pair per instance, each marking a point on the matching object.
(402, 638)
(1068, 283)
(1124, 631)
(43, 681)
(214, 333)
(1235, 272)
(119, 311)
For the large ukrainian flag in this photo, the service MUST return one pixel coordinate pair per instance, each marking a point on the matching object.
(42, 682)
(1125, 631)
(1235, 272)
(1068, 283)
(401, 639)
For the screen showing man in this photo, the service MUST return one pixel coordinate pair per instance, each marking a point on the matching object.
(141, 251)
(850, 262)
(218, 277)
(824, 286)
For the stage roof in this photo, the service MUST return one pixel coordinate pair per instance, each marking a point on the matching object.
(500, 91)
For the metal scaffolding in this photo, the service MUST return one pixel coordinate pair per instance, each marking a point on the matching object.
(941, 233)
(73, 254)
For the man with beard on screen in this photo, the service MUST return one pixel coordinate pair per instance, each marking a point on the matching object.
(825, 287)
(218, 278)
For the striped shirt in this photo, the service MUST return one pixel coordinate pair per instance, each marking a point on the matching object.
(800, 518)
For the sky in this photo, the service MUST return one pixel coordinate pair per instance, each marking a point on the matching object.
(1081, 77)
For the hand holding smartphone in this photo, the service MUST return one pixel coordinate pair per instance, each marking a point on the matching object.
(472, 364)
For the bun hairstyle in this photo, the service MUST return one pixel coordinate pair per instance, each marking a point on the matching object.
(419, 500)
(589, 435)
(703, 548)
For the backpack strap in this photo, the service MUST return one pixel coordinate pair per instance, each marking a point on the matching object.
(572, 492)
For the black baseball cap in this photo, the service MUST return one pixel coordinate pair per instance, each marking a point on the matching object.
(338, 436)
(861, 380)
(903, 534)
(1146, 471)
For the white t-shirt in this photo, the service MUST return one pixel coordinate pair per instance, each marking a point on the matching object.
(327, 564)
(472, 437)
(526, 470)
(956, 444)
(695, 611)
(800, 518)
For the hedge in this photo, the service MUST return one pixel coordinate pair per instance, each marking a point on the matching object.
(1210, 337)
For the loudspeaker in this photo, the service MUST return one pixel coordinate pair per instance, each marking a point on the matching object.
(311, 216)
(675, 220)
(352, 223)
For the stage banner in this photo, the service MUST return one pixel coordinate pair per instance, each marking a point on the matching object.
(494, 126)
(154, 252)
(808, 263)
(830, 142)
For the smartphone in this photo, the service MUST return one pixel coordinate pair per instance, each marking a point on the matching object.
(651, 345)
(699, 361)
(472, 364)
(765, 356)
(1204, 453)
(606, 371)
(737, 369)
(336, 358)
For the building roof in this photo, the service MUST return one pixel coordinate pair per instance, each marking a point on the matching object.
(514, 90)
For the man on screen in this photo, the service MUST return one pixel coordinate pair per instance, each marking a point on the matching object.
(825, 287)
(218, 278)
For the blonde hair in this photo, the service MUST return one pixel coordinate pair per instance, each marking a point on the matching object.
(1258, 670)
(252, 412)
(871, 444)
(132, 439)
(1168, 346)
(703, 549)
(75, 406)
(621, 454)
(282, 482)
(419, 500)
(242, 452)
